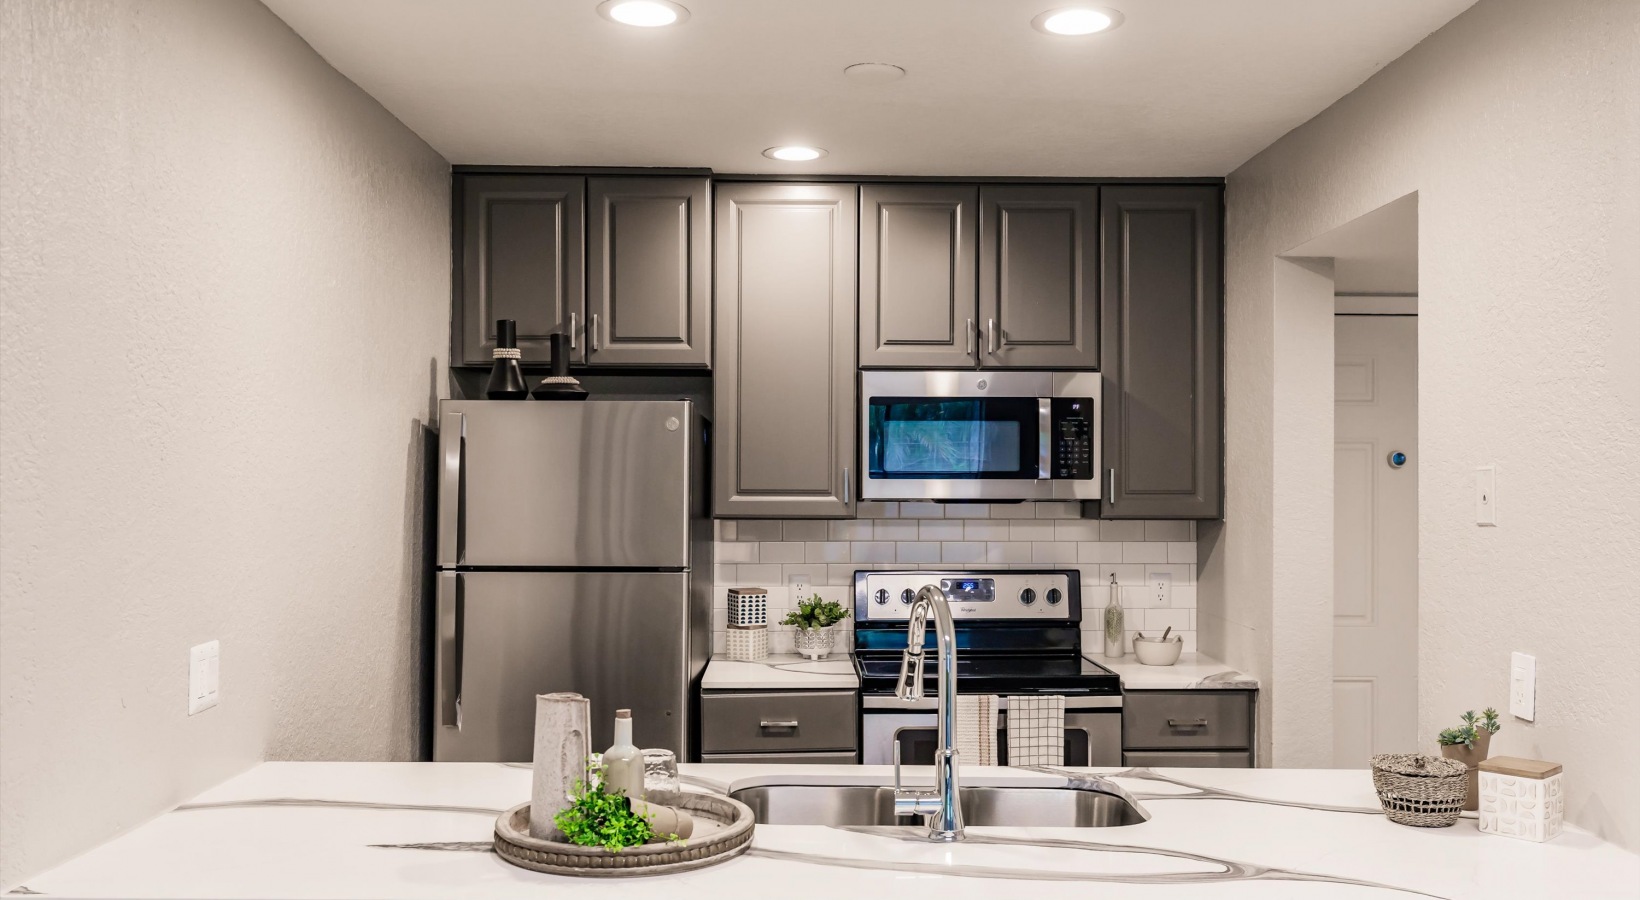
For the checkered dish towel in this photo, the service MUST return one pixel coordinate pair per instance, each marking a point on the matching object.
(1036, 730)
(977, 729)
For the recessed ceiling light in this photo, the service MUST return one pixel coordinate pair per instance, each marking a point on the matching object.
(643, 13)
(874, 73)
(794, 154)
(1077, 20)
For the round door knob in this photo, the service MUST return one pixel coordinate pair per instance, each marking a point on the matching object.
(907, 595)
(881, 596)
(1027, 596)
(1054, 596)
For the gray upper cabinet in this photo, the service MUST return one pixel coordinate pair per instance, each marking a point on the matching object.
(648, 284)
(1038, 276)
(521, 258)
(917, 275)
(1163, 352)
(784, 380)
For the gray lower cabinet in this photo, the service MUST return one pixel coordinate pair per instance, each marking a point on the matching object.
(770, 726)
(649, 291)
(1162, 300)
(521, 258)
(917, 275)
(784, 379)
(1038, 276)
(1188, 728)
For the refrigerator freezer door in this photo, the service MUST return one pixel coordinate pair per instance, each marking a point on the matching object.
(600, 484)
(617, 638)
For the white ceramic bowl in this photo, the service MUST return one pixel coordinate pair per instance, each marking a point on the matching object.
(1157, 652)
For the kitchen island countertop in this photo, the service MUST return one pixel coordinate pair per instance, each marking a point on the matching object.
(341, 830)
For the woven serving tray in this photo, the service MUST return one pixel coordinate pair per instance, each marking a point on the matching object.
(723, 830)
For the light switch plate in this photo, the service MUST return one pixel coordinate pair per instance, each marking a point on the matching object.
(204, 676)
(1486, 495)
(1522, 686)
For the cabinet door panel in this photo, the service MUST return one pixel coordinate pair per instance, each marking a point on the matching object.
(917, 275)
(521, 258)
(648, 285)
(785, 382)
(1038, 287)
(1163, 355)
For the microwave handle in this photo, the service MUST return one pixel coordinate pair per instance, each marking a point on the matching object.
(1044, 437)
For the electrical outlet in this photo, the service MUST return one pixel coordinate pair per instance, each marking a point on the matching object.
(204, 676)
(1161, 588)
(1486, 495)
(800, 592)
(1522, 686)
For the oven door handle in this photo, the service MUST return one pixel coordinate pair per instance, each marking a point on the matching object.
(1072, 704)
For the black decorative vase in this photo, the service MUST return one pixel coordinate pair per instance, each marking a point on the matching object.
(560, 385)
(506, 378)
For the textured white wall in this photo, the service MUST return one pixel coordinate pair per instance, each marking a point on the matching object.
(1518, 126)
(224, 292)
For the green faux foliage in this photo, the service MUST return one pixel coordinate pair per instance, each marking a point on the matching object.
(1487, 721)
(598, 819)
(815, 613)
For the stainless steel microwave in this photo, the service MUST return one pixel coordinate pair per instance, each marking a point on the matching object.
(975, 435)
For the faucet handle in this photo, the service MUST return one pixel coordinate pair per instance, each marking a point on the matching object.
(909, 687)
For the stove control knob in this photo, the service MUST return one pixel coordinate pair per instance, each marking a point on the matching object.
(1054, 596)
(881, 596)
(1027, 596)
(907, 595)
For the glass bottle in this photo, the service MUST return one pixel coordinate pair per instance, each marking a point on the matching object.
(623, 763)
(1115, 624)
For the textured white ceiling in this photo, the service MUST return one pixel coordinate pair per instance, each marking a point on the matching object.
(1183, 87)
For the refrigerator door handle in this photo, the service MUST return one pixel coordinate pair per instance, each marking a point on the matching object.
(452, 441)
(450, 619)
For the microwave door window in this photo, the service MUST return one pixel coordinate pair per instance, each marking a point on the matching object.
(958, 438)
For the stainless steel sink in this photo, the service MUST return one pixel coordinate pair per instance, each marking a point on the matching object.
(807, 804)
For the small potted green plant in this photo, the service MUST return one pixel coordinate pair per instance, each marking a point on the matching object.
(813, 618)
(1469, 744)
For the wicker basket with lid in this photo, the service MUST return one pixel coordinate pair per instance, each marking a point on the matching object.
(1420, 790)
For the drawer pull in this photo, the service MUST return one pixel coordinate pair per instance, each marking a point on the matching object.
(785, 724)
(1187, 723)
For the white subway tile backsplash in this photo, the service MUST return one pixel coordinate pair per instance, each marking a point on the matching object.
(1030, 530)
(804, 530)
(780, 552)
(917, 552)
(1121, 530)
(984, 530)
(939, 530)
(825, 554)
(1144, 552)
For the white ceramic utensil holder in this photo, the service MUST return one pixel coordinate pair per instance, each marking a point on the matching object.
(1520, 802)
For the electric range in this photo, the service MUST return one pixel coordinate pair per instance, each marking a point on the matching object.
(1018, 632)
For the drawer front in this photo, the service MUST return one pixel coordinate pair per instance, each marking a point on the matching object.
(779, 722)
(1165, 720)
(796, 759)
(1195, 759)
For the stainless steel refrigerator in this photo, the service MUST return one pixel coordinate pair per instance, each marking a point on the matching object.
(574, 554)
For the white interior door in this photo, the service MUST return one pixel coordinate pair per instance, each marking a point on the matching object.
(1375, 532)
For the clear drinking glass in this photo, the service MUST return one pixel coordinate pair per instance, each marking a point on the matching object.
(660, 778)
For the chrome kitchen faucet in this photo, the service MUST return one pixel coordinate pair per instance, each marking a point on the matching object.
(941, 806)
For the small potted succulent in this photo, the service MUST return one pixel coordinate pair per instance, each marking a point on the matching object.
(1469, 744)
(814, 618)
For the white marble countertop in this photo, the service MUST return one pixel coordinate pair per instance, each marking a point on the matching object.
(345, 830)
(1193, 671)
(781, 671)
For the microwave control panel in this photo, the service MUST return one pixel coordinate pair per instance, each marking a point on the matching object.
(1072, 438)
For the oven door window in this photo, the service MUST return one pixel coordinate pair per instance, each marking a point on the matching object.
(954, 437)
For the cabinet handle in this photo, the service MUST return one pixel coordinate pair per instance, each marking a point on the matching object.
(992, 338)
(592, 333)
(1110, 495)
(572, 331)
(970, 337)
(788, 724)
(1187, 723)
(848, 494)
